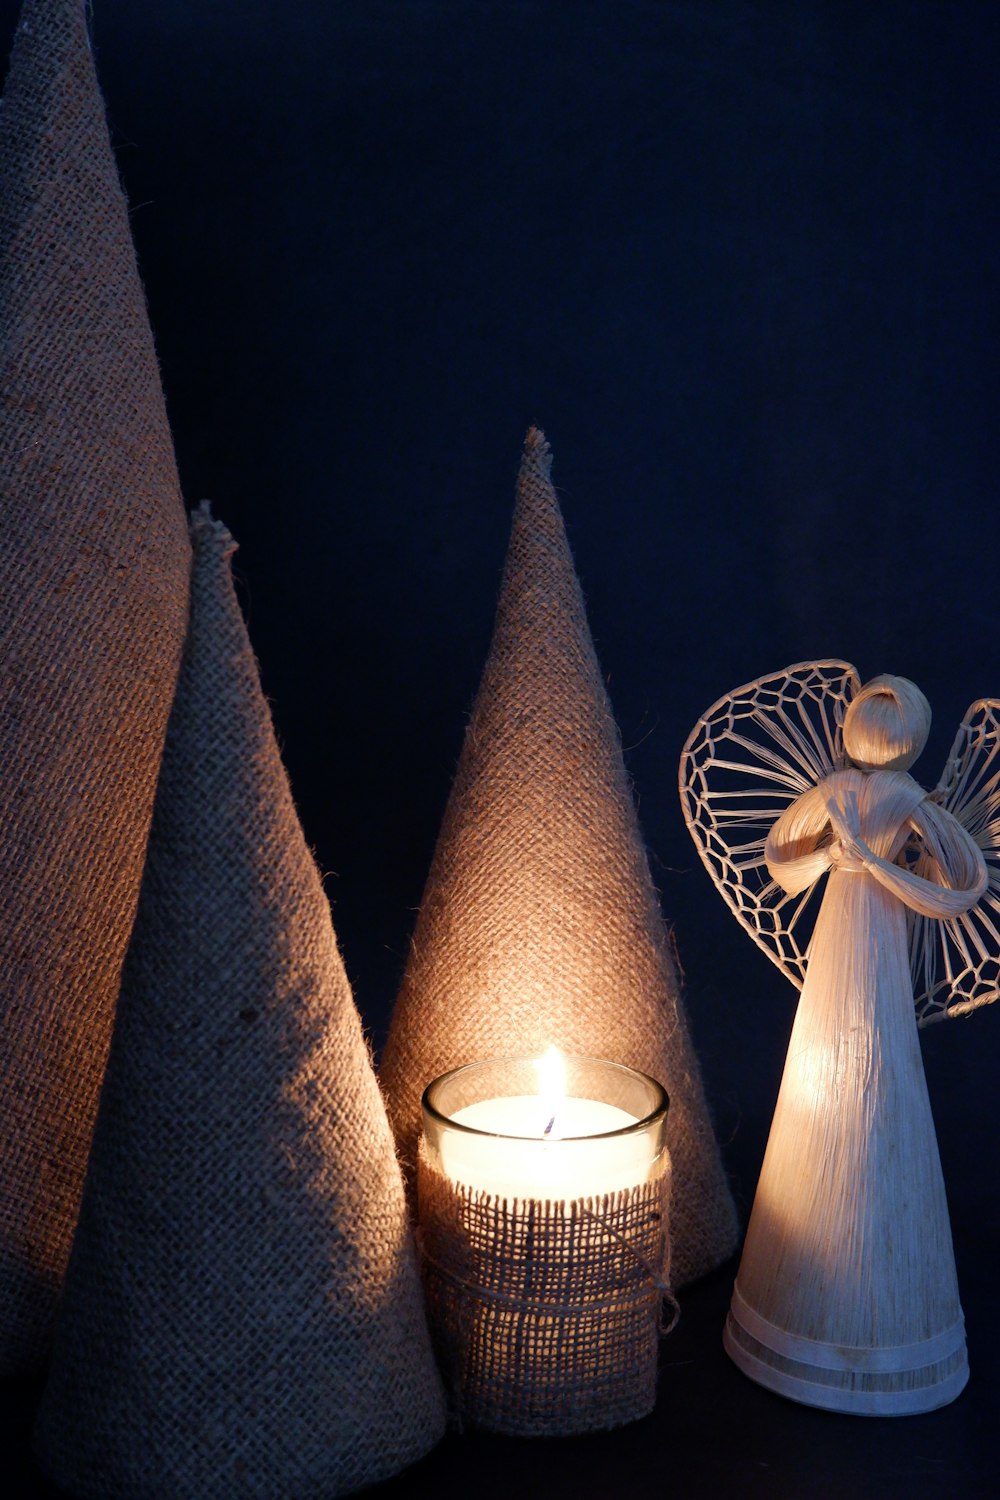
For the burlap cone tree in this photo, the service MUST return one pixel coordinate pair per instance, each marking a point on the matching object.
(539, 922)
(93, 599)
(242, 1313)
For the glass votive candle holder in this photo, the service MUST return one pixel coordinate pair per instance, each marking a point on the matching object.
(544, 1243)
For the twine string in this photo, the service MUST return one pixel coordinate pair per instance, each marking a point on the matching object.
(566, 1309)
(546, 1314)
(662, 1285)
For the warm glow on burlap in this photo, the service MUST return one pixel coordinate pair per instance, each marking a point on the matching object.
(93, 603)
(242, 1313)
(539, 922)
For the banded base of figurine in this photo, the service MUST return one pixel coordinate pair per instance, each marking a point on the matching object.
(875, 1382)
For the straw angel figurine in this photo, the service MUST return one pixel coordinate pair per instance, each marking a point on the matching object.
(846, 1296)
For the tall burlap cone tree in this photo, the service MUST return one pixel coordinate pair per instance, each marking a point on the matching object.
(93, 604)
(242, 1314)
(539, 922)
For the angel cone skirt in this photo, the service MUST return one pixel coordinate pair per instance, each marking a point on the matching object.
(847, 1296)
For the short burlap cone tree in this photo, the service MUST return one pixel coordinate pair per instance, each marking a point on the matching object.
(539, 922)
(93, 605)
(242, 1314)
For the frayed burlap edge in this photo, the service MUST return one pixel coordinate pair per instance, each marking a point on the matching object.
(546, 1316)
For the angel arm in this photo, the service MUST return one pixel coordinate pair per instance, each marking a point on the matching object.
(795, 850)
(953, 861)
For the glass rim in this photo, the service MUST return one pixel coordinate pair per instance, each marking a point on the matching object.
(635, 1128)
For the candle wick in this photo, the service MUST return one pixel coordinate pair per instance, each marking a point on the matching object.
(548, 1128)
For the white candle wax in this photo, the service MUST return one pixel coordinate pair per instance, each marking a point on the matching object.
(519, 1158)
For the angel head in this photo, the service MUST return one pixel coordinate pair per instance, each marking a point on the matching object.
(886, 724)
(764, 750)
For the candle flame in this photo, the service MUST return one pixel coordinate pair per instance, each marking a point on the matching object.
(551, 1088)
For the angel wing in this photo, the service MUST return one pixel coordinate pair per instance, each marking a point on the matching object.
(956, 963)
(746, 759)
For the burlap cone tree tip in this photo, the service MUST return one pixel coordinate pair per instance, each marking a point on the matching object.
(242, 1314)
(539, 922)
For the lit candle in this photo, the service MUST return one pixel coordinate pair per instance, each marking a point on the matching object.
(543, 1186)
(548, 1144)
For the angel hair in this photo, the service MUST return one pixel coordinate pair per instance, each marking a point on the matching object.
(887, 724)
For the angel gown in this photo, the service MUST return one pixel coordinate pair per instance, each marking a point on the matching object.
(847, 1294)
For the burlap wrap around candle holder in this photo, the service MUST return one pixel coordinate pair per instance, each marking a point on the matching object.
(546, 1316)
(93, 606)
(539, 922)
(242, 1317)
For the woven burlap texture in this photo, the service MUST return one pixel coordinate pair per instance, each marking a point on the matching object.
(539, 922)
(545, 1315)
(93, 599)
(242, 1315)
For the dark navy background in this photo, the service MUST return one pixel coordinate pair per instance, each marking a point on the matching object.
(739, 261)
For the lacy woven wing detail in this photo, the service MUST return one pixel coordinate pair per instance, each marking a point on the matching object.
(745, 761)
(956, 963)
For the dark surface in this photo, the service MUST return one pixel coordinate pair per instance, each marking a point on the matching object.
(713, 1435)
(739, 261)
